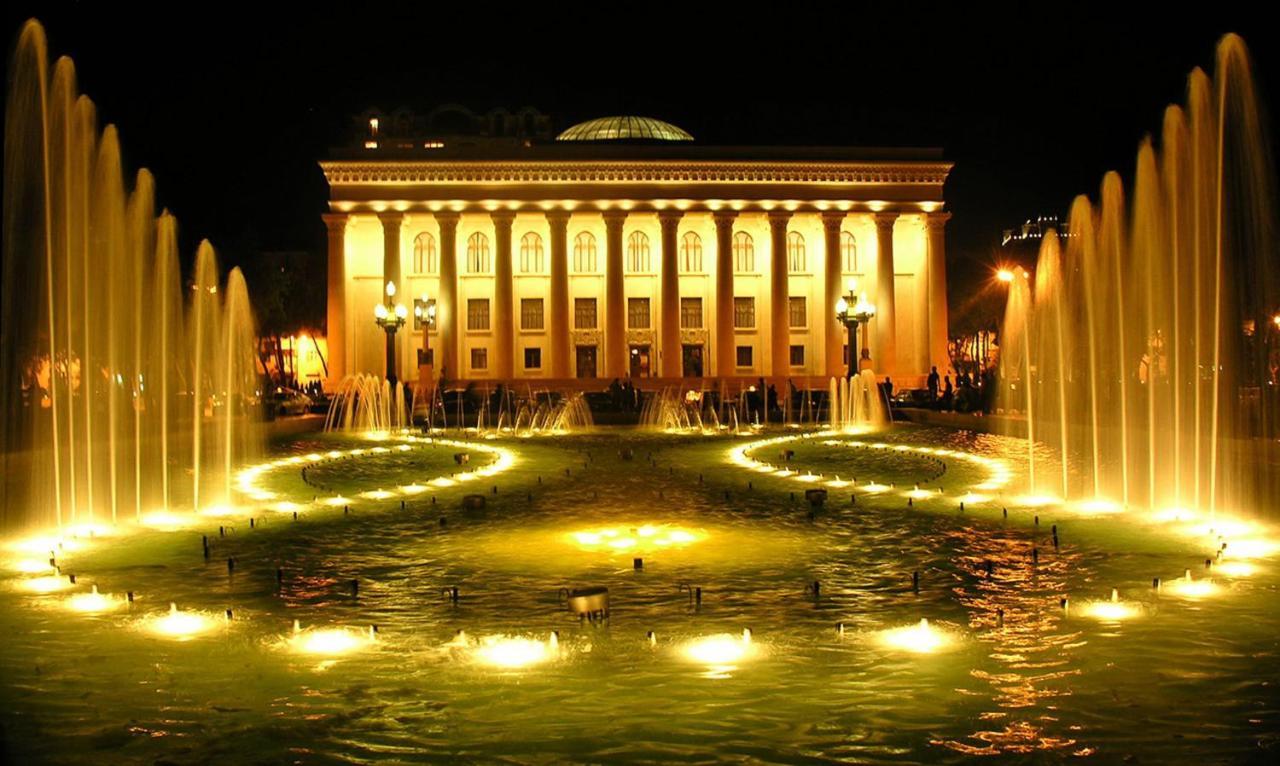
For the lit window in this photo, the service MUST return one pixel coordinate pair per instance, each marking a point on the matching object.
(478, 314)
(479, 358)
(533, 358)
(584, 313)
(744, 356)
(744, 253)
(531, 314)
(691, 313)
(477, 254)
(424, 254)
(795, 252)
(584, 253)
(796, 307)
(744, 313)
(638, 313)
(638, 253)
(691, 253)
(531, 254)
(797, 356)
(849, 252)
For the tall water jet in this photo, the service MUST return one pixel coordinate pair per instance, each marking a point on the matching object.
(1169, 396)
(93, 353)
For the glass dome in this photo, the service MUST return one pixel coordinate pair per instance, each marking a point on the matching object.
(624, 128)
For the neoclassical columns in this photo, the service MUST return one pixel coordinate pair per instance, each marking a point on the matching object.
(503, 326)
(615, 303)
(832, 223)
(724, 349)
(779, 294)
(558, 327)
(391, 222)
(336, 310)
(883, 355)
(669, 297)
(447, 300)
(935, 230)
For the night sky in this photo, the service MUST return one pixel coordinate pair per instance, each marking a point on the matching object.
(232, 108)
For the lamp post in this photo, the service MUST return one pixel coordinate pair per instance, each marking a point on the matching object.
(424, 316)
(390, 316)
(853, 311)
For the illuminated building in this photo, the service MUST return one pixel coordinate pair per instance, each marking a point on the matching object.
(623, 247)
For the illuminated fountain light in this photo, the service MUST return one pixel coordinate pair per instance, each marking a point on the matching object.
(442, 481)
(1175, 514)
(31, 566)
(973, 498)
(1185, 587)
(920, 638)
(1251, 548)
(222, 509)
(45, 545)
(513, 652)
(919, 494)
(179, 625)
(722, 651)
(335, 501)
(1113, 610)
(1235, 569)
(167, 521)
(46, 584)
(333, 454)
(94, 602)
(412, 489)
(288, 506)
(1036, 501)
(315, 457)
(874, 488)
(838, 483)
(643, 537)
(376, 494)
(329, 642)
(1096, 505)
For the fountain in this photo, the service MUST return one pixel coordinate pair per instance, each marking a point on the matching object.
(364, 403)
(856, 403)
(114, 404)
(1142, 351)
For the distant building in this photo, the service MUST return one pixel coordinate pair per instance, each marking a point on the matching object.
(1033, 230)
(622, 247)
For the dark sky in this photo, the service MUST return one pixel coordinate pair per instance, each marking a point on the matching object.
(232, 105)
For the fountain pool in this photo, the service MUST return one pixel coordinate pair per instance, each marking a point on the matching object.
(805, 639)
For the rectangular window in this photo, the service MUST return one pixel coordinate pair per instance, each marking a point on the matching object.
(744, 356)
(638, 313)
(531, 313)
(479, 358)
(478, 314)
(584, 314)
(796, 307)
(744, 313)
(797, 356)
(691, 313)
(533, 358)
(424, 313)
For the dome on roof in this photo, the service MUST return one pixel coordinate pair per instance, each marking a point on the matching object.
(624, 128)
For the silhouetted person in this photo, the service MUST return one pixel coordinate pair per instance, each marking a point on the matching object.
(946, 393)
(772, 402)
(932, 384)
(888, 388)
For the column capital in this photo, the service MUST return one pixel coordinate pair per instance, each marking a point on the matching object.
(936, 220)
(614, 215)
(557, 216)
(391, 217)
(502, 217)
(724, 217)
(670, 218)
(832, 220)
(778, 217)
(446, 217)
(335, 222)
(885, 219)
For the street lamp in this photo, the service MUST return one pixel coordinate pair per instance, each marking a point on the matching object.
(853, 311)
(390, 316)
(424, 316)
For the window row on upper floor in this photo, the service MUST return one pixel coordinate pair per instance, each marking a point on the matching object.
(638, 258)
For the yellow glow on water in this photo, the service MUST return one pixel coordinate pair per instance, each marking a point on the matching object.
(376, 494)
(1174, 514)
(1251, 548)
(220, 510)
(514, 652)
(412, 489)
(45, 545)
(1235, 568)
(1097, 505)
(1186, 587)
(920, 638)
(721, 650)
(919, 494)
(94, 602)
(48, 584)
(1114, 610)
(288, 506)
(330, 642)
(179, 625)
(874, 488)
(973, 498)
(167, 520)
(31, 566)
(336, 501)
(641, 537)
(1036, 500)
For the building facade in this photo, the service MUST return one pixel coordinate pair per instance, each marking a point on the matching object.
(624, 248)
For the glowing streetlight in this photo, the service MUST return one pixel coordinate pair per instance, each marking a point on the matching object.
(424, 316)
(1005, 275)
(852, 311)
(390, 316)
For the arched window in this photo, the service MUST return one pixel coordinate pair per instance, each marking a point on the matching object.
(849, 252)
(744, 253)
(424, 254)
(691, 253)
(795, 252)
(477, 254)
(531, 254)
(584, 253)
(638, 253)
